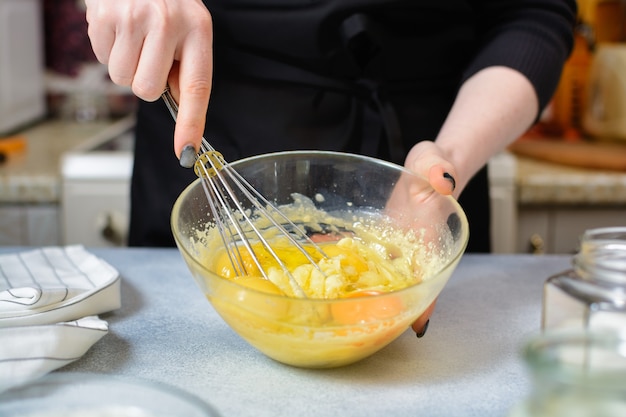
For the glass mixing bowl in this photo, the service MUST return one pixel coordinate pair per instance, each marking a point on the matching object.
(329, 332)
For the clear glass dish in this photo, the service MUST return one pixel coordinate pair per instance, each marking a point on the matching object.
(70, 394)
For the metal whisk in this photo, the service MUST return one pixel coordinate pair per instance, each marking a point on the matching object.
(237, 225)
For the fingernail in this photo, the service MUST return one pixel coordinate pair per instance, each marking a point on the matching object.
(423, 331)
(188, 156)
(451, 179)
(454, 224)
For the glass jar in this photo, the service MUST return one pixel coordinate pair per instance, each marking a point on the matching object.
(576, 374)
(591, 295)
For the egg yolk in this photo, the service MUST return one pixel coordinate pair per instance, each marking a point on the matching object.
(241, 263)
(258, 284)
(366, 309)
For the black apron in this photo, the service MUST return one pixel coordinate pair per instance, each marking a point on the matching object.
(364, 76)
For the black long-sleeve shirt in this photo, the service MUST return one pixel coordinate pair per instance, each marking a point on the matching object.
(363, 76)
(409, 40)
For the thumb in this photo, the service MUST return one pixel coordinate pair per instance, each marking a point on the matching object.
(429, 161)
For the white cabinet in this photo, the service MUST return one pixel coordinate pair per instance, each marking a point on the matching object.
(22, 90)
(29, 225)
(556, 229)
(95, 213)
(11, 225)
(95, 199)
(42, 225)
(503, 202)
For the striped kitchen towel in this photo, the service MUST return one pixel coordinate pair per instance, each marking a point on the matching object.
(49, 302)
(30, 352)
(55, 284)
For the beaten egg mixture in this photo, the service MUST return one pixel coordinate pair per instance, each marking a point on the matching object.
(372, 257)
(341, 268)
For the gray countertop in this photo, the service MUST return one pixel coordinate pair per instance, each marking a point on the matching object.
(468, 364)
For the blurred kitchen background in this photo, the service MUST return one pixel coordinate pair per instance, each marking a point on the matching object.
(66, 137)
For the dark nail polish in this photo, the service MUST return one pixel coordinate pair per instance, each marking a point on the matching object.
(188, 156)
(451, 179)
(423, 331)
(455, 226)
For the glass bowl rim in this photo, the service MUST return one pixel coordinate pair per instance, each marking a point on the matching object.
(334, 154)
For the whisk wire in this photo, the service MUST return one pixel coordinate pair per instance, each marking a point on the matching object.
(234, 257)
(235, 223)
(263, 205)
(230, 205)
(226, 220)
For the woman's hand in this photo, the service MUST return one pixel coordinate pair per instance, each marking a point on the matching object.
(416, 202)
(428, 160)
(147, 44)
(493, 108)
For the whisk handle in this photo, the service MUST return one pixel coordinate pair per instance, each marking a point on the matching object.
(205, 147)
(171, 104)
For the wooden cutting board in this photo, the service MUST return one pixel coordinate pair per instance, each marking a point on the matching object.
(585, 154)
